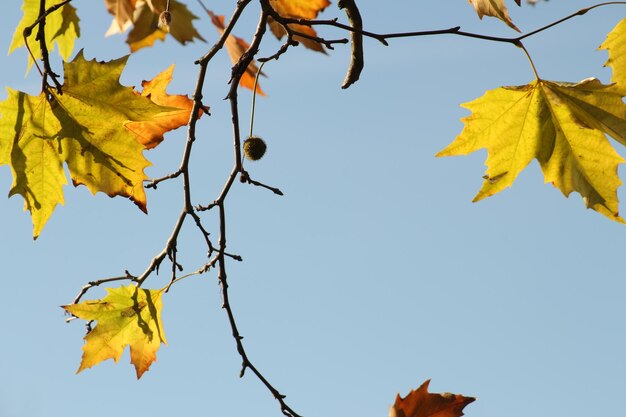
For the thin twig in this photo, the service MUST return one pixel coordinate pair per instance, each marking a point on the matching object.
(41, 37)
(238, 71)
(155, 182)
(218, 255)
(383, 37)
(92, 284)
(245, 178)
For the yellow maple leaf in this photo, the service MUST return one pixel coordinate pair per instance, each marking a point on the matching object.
(298, 9)
(146, 24)
(495, 8)
(235, 47)
(126, 316)
(84, 128)
(562, 125)
(61, 29)
(615, 44)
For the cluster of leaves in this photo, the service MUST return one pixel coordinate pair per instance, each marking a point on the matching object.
(142, 18)
(40, 134)
(99, 129)
(100, 140)
(558, 118)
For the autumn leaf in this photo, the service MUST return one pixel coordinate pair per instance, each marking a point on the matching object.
(83, 128)
(298, 9)
(150, 133)
(126, 316)
(495, 8)
(122, 11)
(615, 44)
(236, 47)
(146, 24)
(61, 29)
(562, 125)
(279, 31)
(304, 9)
(421, 403)
(146, 31)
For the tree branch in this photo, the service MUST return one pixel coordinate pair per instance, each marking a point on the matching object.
(41, 37)
(217, 255)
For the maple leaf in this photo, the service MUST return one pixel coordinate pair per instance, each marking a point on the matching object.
(298, 9)
(61, 29)
(122, 11)
(495, 8)
(146, 24)
(615, 44)
(126, 316)
(236, 47)
(83, 128)
(304, 9)
(150, 133)
(421, 403)
(562, 125)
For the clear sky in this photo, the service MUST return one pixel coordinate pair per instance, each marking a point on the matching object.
(372, 274)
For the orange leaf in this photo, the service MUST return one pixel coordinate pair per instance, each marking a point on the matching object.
(304, 9)
(298, 9)
(150, 133)
(279, 31)
(236, 47)
(421, 403)
(122, 11)
(146, 24)
(83, 129)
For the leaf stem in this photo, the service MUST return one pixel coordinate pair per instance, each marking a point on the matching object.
(532, 64)
(256, 82)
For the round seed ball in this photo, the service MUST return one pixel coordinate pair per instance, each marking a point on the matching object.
(254, 148)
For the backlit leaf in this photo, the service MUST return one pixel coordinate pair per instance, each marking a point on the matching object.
(150, 133)
(279, 31)
(236, 47)
(61, 29)
(562, 125)
(305, 9)
(83, 128)
(146, 24)
(122, 11)
(298, 9)
(127, 316)
(495, 8)
(615, 44)
(421, 403)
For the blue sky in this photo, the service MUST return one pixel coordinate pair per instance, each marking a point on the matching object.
(372, 274)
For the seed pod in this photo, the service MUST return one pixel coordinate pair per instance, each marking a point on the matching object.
(254, 148)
